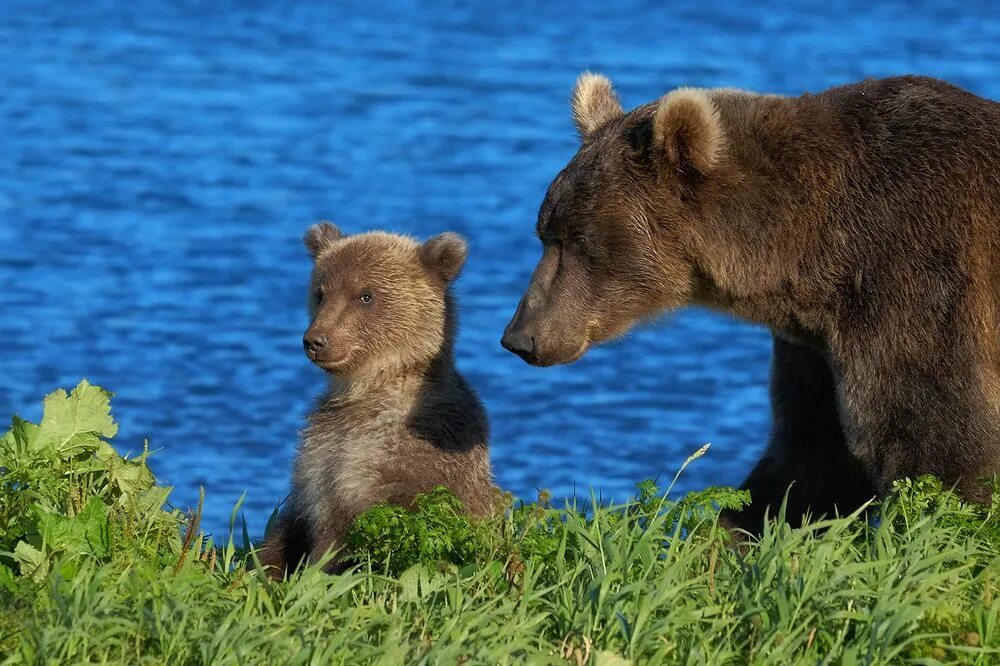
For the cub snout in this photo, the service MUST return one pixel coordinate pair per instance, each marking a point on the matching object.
(314, 344)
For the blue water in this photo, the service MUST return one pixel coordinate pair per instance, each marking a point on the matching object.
(158, 166)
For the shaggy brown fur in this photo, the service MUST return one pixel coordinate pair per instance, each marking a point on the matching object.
(861, 225)
(398, 419)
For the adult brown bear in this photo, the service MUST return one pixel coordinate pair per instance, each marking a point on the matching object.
(859, 224)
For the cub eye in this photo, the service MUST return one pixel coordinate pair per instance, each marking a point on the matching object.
(366, 298)
(578, 240)
(318, 295)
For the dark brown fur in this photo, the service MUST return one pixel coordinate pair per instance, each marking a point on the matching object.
(861, 225)
(398, 419)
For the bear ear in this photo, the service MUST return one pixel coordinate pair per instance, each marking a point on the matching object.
(688, 132)
(444, 254)
(321, 237)
(594, 103)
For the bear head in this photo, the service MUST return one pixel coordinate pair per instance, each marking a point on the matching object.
(379, 302)
(616, 223)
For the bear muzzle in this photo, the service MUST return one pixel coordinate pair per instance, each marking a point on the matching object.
(537, 345)
(314, 344)
(320, 351)
(518, 341)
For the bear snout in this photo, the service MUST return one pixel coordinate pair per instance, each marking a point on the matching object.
(314, 344)
(519, 341)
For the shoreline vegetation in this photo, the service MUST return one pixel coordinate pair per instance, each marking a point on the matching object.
(95, 566)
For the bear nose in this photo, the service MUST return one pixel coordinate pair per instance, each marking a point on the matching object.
(314, 343)
(519, 342)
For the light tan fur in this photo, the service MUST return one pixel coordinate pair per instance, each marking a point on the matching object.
(594, 103)
(398, 418)
(687, 120)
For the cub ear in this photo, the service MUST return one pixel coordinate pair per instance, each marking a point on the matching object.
(594, 103)
(321, 237)
(444, 254)
(688, 131)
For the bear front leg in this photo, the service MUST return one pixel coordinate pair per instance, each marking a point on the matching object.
(285, 546)
(328, 535)
(806, 450)
(921, 412)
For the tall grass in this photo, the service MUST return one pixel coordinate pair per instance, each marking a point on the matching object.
(655, 580)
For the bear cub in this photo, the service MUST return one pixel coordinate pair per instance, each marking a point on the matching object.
(398, 418)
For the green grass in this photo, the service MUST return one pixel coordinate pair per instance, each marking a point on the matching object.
(94, 568)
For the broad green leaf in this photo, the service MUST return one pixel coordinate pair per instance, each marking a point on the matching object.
(7, 579)
(417, 582)
(74, 423)
(31, 560)
(151, 500)
(85, 533)
(18, 439)
(606, 658)
(129, 477)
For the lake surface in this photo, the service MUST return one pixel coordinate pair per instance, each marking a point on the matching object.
(158, 166)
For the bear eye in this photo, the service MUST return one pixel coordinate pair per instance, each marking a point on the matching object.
(366, 298)
(579, 240)
(318, 295)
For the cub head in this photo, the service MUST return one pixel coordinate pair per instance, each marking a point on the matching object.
(378, 301)
(616, 224)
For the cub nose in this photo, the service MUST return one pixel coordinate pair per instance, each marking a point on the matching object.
(520, 343)
(314, 343)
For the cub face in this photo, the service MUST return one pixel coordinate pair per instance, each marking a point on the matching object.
(377, 300)
(617, 223)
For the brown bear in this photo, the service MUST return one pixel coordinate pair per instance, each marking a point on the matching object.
(398, 418)
(861, 225)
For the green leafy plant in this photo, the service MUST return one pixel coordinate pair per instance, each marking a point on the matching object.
(66, 494)
(95, 566)
(436, 532)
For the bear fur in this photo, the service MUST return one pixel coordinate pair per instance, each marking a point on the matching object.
(861, 225)
(398, 418)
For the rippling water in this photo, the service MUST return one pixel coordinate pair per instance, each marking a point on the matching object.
(158, 166)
